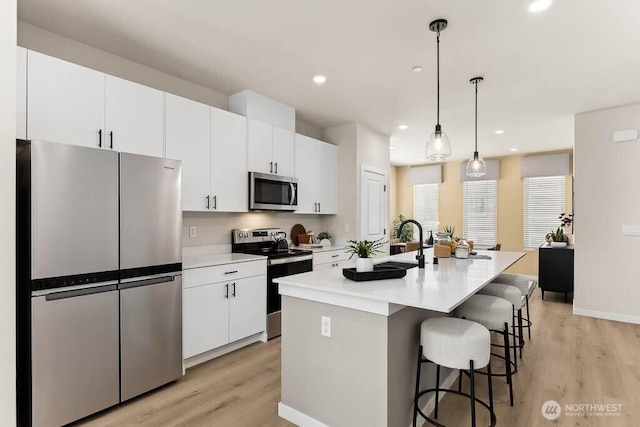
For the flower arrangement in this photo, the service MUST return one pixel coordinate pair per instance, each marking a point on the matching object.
(365, 248)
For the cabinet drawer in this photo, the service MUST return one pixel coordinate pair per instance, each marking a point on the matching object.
(329, 256)
(204, 275)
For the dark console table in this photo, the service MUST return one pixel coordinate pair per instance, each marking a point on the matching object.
(555, 269)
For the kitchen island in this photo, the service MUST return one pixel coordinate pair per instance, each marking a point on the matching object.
(363, 374)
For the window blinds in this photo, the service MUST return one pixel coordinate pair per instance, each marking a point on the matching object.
(425, 208)
(480, 211)
(543, 203)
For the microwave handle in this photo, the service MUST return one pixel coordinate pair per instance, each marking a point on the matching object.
(293, 193)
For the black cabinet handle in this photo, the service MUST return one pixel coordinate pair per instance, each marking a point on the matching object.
(207, 201)
(100, 138)
(335, 256)
(276, 164)
(271, 167)
(231, 272)
(234, 290)
(226, 291)
(111, 140)
(215, 202)
(319, 210)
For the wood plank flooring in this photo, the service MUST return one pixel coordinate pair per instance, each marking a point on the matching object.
(571, 360)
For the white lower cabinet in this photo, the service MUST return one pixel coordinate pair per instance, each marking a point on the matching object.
(218, 312)
(335, 258)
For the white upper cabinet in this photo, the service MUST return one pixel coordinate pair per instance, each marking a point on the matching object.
(327, 178)
(316, 165)
(283, 156)
(229, 177)
(259, 147)
(21, 93)
(65, 102)
(306, 166)
(188, 138)
(134, 118)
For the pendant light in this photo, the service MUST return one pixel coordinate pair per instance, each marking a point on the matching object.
(476, 167)
(438, 146)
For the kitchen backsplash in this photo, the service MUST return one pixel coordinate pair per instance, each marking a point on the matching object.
(214, 228)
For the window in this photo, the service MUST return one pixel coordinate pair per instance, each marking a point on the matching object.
(480, 212)
(543, 204)
(425, 208)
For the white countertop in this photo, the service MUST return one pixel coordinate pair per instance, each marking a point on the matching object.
(208, 260)
(440, 287)
(322, 249)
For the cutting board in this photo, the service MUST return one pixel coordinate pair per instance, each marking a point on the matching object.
(295, 230)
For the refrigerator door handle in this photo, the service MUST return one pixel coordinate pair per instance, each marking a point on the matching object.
(147, 282)
(79, 292)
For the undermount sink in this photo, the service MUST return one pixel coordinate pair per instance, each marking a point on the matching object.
(397, 264)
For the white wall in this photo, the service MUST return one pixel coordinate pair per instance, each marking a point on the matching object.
(7, 211)
(606, 198)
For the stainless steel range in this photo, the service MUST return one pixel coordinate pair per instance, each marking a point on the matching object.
(281, 261)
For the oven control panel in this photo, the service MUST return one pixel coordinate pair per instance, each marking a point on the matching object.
(246, 235)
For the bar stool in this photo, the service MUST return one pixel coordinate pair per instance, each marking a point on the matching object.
(527, 284)
(513, 295)
(455, 344)
(495, 314)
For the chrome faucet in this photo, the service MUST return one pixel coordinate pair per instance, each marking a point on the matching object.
(420, 256)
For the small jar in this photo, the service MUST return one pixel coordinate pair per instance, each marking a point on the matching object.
(442, 245)
(462, 251)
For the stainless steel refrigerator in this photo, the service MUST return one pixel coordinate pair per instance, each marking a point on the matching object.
(99, 290)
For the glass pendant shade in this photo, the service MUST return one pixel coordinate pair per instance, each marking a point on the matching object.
(476, 167)
(438, 146)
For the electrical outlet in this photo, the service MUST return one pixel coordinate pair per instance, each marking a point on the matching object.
(192, 231)
(325, 326)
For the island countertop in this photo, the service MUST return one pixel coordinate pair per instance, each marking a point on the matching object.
(440, 287)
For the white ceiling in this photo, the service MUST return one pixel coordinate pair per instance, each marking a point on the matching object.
(539, 69)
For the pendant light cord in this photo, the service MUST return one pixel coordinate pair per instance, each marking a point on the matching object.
(476, 116)
(438, 79)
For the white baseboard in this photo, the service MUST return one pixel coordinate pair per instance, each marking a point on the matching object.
(220, 351)
(297, 417)
(605, 315)
(303, 420)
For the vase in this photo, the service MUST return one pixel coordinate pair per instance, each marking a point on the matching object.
(364, 264)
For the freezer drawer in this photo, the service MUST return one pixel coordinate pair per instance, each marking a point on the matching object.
(75, 370)
(151, 334)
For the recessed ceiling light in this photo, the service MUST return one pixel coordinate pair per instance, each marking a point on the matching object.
(417, 69)
(513, 149)
(539, 5)
(319, 79)
(499, 131)
(403, 126)
(391, 147)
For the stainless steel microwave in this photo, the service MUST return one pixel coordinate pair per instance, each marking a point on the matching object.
(272, 192)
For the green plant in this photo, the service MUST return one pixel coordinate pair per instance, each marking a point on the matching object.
(407, 231)
(365, 248)
(449, 229)
(324, 235)
(558, 235)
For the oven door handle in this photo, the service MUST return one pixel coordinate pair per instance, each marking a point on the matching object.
(289, 260)
(293, 193)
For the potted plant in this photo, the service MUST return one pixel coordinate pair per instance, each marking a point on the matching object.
(407, 232)
(557, 238)
(364, 249)
(324, 237)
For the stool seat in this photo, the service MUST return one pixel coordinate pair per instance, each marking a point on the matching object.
(452, 342)
(489, 311)
(525, 283)
(508, 292)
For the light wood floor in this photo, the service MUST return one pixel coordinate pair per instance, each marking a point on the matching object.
(571, 359)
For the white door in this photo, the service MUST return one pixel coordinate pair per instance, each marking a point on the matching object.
(206, 318)
(188, 138)
(65, 102)
(229, 177)
(21, 93)
(134, 118)
(373, 204)
(283, 156)
(306, 166)
(248, 313)
(259, 147)
(327, 178)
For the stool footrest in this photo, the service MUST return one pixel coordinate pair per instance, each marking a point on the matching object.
(459, 393)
